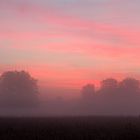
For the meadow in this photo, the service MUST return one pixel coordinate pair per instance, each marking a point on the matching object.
(64, 128)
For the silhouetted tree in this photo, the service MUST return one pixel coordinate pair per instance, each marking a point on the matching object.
(120, 97)
(109, 85)
(107, 94)
(129, 92)
(130, 85)
(88, 92)
(88, 98)
(112, 97)
(18, 89)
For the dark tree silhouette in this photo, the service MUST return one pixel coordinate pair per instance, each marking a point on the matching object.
(130, 85)
(88, 92)
(129, 90)
(88, 98)
(119, 97)
(128, 95)
(18, 89)
(107, 94)
(109, 84)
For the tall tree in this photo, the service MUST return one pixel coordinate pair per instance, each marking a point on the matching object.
(88, 92)
(18, 88)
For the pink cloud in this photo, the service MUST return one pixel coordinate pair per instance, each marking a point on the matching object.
(82, 26)
(77, 34)
(62, 77)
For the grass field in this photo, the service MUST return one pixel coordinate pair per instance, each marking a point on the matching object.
(59, 128)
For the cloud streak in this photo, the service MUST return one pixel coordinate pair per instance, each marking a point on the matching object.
(47, 33)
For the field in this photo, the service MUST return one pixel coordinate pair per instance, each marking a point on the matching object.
(59, 128)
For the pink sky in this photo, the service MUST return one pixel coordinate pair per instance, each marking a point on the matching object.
(68, 43)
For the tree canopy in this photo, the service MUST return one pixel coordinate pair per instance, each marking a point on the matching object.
(18, 88)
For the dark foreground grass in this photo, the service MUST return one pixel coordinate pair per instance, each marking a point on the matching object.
(64, 128)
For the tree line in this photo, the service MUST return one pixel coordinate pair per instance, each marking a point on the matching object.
(113, 96)
(20, 89)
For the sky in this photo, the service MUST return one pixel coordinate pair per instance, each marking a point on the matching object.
(68, 43)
